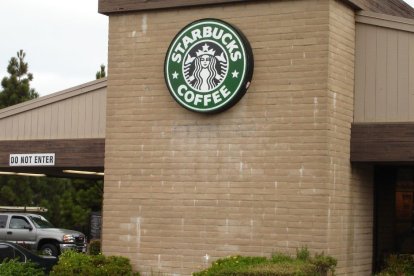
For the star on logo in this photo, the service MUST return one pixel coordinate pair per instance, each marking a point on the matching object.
(205, 47)
(175, 75)
(235, 74)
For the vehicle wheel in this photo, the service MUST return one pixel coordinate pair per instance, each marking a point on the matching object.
(49, 249)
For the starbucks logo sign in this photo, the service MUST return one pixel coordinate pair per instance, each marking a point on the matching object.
(208, 66)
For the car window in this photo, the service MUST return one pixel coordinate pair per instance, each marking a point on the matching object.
(3, 221)
(19, 223)
(10, 253)
(41, 222)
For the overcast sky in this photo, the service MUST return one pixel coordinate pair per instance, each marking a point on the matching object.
(65, 41)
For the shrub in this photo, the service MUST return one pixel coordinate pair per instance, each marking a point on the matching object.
(324, 263)
(14, 267)
(73, 263)
(398, 265)
(303, 254)
(280, 258)
(116, 265)
(278, 265)
(95, 247)
(231, 266)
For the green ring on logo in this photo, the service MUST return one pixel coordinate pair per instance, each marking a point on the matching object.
(208, 66)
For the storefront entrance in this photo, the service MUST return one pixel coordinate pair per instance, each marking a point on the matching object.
(394, 212)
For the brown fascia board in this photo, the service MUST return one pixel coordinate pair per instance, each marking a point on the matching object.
(389, 7)
(108, 7)
(386, 21)
(382, 142)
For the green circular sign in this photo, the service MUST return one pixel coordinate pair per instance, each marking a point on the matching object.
(208, 66)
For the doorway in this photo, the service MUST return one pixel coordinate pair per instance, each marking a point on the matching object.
(393, 212)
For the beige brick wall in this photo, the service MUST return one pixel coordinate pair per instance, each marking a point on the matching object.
(270, 174)
(350, 214)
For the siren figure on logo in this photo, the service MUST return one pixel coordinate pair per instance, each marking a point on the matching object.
(202, 72)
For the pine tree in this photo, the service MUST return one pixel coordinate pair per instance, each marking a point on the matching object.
(101, 74)
(16, 87)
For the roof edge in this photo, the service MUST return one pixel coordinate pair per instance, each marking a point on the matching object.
(384, 20)
(114, 7)
(109, 7)
(52, 98)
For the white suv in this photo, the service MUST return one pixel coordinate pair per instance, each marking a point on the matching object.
(36, 233)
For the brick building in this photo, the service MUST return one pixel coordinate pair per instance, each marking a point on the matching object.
(272, 173)
(317, 153)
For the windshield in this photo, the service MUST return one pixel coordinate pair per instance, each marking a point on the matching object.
(41, 222)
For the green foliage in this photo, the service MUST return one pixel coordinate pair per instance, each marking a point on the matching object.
(16, 87)
(73, 263)
(398, 265)
(324, 263)
(280, 258)
(101, 74)
(14, 267)
(278, 265)
(296, 268)
(95, 247)
(303, 254)
(69, 201)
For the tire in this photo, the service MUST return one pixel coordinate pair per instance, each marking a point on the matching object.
(49, 249)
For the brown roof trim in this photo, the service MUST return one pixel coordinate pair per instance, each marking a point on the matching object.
(52, 98)
(382, 142)
(397, 8)
(113, 6)
(392, 7)
(384, 20)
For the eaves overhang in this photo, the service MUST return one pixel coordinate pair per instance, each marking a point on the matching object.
(108, 7)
